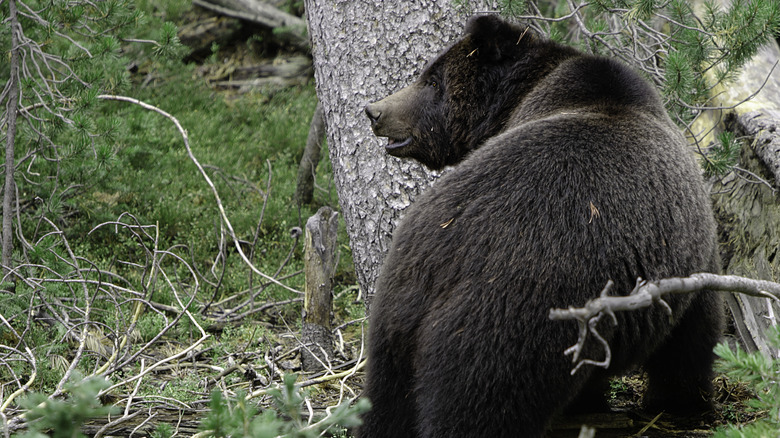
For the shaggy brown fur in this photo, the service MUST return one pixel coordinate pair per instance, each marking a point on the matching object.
(568, 174)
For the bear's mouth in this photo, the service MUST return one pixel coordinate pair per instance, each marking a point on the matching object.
(394, 143)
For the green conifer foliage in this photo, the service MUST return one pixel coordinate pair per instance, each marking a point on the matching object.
(63, 56)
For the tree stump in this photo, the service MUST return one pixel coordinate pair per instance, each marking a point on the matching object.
(320, 260)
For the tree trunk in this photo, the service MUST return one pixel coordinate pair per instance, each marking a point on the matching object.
(362, 52)
(11, 109)
(746, 201)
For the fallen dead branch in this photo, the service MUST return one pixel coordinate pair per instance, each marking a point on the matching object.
(646, 294)
(293, 29)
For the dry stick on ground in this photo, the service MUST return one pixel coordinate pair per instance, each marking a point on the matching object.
(29, 358)
(348, 373)
(645, 294)
(87, 311)
(156, 256)
(222, 255)
(256, 236)
(84, 325)
(164, 361)
(229, 226)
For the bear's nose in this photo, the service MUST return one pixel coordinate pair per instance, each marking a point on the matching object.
(373, 114)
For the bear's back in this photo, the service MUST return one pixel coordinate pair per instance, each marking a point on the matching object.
(552, 209)
(590, 83)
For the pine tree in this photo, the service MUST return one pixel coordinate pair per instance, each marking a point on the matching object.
(63, 56)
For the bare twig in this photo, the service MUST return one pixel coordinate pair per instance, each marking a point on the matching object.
(646, 294)
(210, 183)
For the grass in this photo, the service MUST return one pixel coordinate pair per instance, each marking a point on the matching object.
(250, 145)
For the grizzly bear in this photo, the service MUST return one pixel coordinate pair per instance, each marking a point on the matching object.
(567, 173)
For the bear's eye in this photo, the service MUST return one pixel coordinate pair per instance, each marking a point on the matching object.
(433, 83)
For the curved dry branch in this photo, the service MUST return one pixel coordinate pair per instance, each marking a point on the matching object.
(205, 175)
(646, 294)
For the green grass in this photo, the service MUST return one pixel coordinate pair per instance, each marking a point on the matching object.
(250, 146)
(118, 288)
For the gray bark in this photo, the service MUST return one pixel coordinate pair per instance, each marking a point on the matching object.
(364, 51)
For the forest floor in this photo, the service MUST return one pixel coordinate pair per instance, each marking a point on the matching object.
(628, 419)
(250, 138)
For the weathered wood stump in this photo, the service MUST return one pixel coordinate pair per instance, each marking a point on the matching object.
(320, 260)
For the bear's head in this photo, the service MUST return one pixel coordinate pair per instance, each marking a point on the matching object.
(464, 96)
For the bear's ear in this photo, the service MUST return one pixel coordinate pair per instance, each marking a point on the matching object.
(494, 37)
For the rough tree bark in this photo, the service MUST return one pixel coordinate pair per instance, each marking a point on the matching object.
(364, 51)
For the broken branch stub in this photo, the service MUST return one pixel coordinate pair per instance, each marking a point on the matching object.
(320, 260)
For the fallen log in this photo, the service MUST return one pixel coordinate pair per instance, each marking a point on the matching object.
(288, 28)
(746, 200)
(142, 422)
(201, 34)
(295, 70)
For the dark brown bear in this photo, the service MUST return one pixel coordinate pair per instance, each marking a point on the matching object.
(568, 173)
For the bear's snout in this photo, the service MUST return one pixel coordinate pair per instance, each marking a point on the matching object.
(391, 117)
(373, 114)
